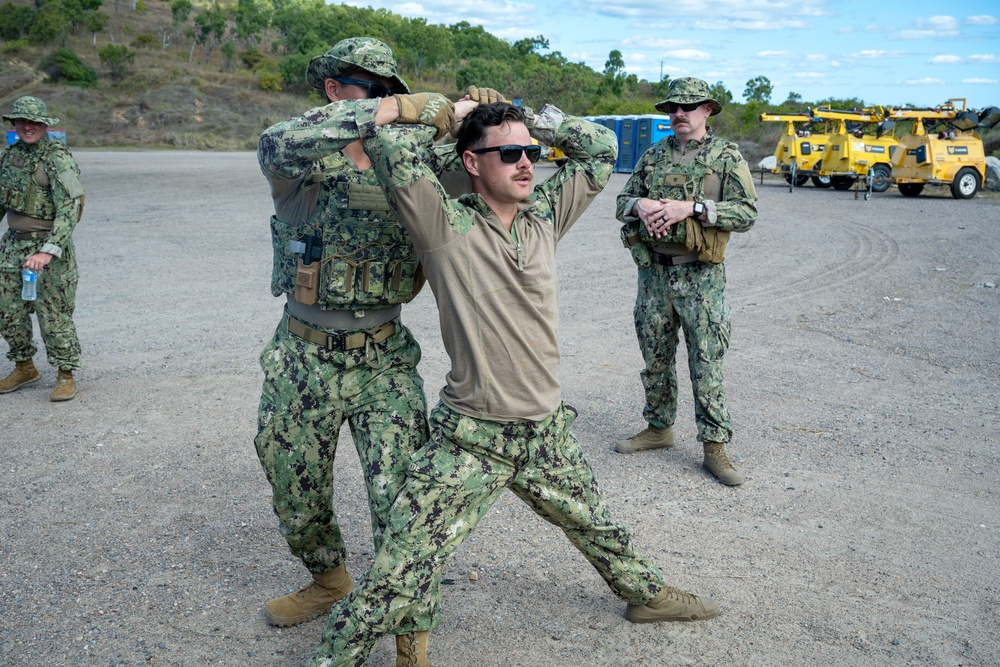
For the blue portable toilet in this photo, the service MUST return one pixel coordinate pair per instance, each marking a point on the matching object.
(54, 133)
(649, 129)
(626, 144)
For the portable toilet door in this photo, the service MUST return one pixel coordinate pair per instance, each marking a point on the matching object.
(649, 129)
(626, 144)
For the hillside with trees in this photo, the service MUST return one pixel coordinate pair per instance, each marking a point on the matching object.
(212, 75)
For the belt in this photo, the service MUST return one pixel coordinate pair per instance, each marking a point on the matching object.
(340, 341)
(674, 260)
(30, 236)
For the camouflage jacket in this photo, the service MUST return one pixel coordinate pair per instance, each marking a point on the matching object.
(710, 169)
(365, 256)
(496, 291)
(42, 181)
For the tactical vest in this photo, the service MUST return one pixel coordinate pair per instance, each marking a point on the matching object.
(352, 253)
(699, 179)
(24, 184)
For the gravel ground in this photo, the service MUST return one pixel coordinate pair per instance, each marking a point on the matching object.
(136, 524)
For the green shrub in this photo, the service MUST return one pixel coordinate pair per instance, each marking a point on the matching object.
(270, 80)
(64, 66)
(146, 40)
(293, 69)
(117, 58)
(15, 46)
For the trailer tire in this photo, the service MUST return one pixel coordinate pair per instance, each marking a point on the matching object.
(966, 183)
(820, 181)
(910, 189)
(841, 182)
(799, 180)
(880, 178)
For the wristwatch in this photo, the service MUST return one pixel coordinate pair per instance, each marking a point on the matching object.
(699, 209)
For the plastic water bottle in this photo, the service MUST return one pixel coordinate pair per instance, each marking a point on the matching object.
(29, 284)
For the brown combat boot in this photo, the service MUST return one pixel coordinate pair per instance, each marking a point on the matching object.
(411, 649)
(65, 387)
(717, 463)
(651, 438)
(672, 604)
(24, 373)
(310, 601)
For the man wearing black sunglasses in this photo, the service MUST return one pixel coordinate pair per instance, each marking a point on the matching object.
(685, 196)
(340, 352)
(500, 423)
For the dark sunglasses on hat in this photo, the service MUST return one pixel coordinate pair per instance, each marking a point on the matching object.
(511, 153)
(374, 89)
(672, 107)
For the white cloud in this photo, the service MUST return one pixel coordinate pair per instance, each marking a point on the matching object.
(926, 81)
(982, 19)
(939, 23)
(687, 54)
(752, 24)
(987, 58)
(816, 58)
(913, 34)
(647, 42)
(774, 54)
(988, 82)
(945, 60)
(809, 75)
(756, 10)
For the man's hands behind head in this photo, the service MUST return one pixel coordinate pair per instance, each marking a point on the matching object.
(485, 95)
(431, 109)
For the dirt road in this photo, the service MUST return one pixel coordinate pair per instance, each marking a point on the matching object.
(136, 525)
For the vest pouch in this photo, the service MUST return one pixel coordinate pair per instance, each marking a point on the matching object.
(284, 267)
(307, 283)
(708, 242)
(373, 278)
(340, 278)
(631, 239)
(402, 278)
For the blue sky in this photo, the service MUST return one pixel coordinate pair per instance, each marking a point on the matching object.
(886, 53)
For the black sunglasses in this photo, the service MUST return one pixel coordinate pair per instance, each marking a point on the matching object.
(511, 153)
(672, 107)
(374, 89)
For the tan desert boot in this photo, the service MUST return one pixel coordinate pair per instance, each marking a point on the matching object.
(411, 649)
(65, 387)
(24, 373)
(717, 463)
(310, 601)
(651, 438)
(672, 604)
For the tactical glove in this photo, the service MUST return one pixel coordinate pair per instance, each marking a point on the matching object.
(485, 95)
(427, 109)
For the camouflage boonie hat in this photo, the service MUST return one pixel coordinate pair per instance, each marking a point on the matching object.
(688, 90)
(30, 108)
(364, 53)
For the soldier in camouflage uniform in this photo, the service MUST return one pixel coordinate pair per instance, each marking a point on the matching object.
(490, 260)
(41, 194)
(686, 194)
(340, 352)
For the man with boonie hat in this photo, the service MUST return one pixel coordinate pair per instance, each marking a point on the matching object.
(345, 266)
(686, 195)
(42, 197)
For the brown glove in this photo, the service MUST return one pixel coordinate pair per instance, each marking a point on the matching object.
(485, 95)
(427, 109)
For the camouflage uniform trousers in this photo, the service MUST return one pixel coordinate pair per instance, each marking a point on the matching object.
(308, 393)
(54, 305)
(452, 484)
(689, 297)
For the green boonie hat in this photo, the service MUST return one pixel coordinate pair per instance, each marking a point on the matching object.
(688, 90)
(364, 53)
(30, 108)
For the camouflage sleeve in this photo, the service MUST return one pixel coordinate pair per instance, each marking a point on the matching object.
(399, 158)
(635, 189)
(737, 211)
(288, 150)
(591, 151)
(67, 195)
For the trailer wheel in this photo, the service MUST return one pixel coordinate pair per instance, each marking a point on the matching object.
(966, 183)
(910, 189)
(841, 182)
(880, 178)
(820, 181)
(799, 180)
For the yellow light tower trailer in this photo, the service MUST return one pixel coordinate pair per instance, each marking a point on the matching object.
(851, 154)
(798, 150)
(941, 149)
